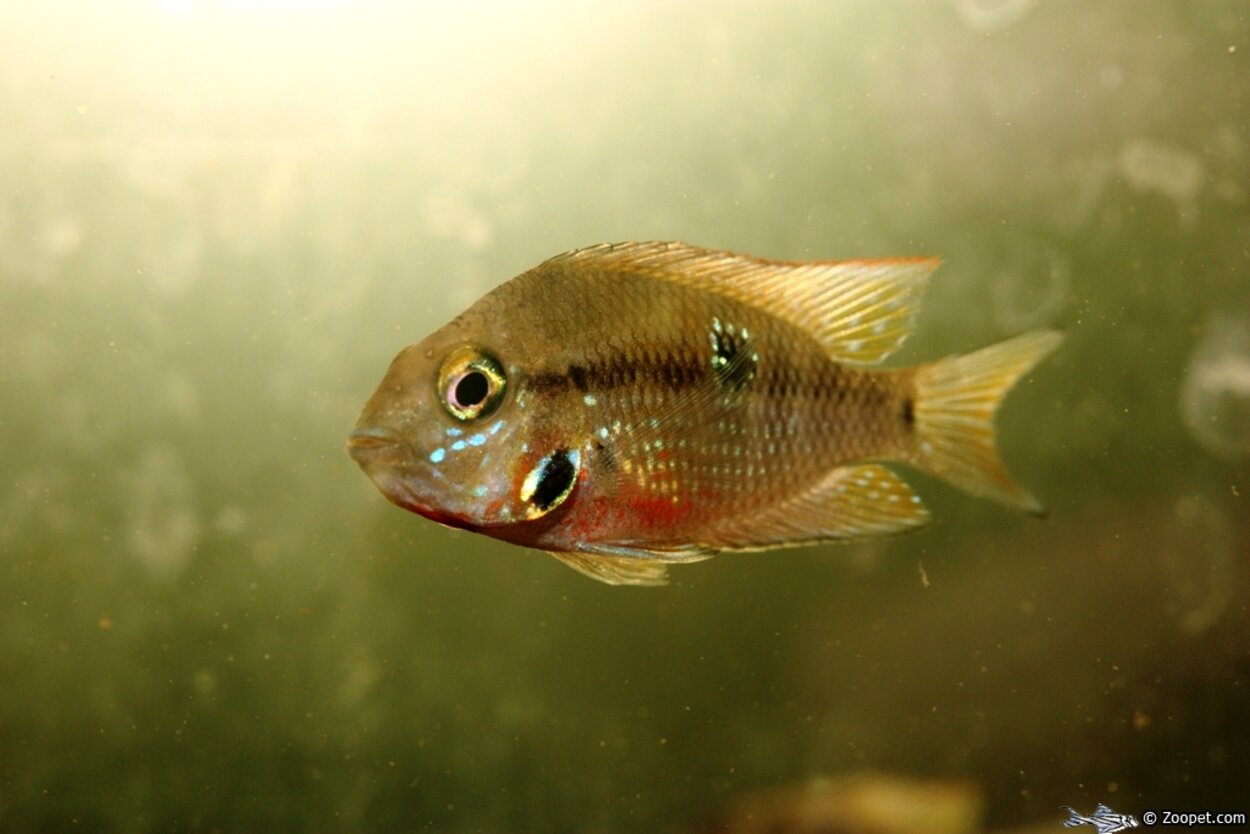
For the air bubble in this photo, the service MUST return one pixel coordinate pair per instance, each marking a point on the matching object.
(37, 239)
(990, 15)
(1197, 559)
(164, 527)
(1152, 167)
(1215, 393)
(231, 520)
(1031, 289)
(449, 214)
(172, 260)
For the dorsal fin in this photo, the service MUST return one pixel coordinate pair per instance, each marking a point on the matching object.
(859, 310)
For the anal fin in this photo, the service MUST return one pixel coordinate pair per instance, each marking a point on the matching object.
(851, 502)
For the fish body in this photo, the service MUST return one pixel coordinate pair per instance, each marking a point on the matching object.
(630, 406)
(1103, 819)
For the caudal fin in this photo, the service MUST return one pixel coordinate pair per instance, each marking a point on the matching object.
(956, 399)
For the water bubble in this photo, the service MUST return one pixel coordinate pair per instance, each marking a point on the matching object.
(1111, 76)
(180, 396)
(1196, 556)
(36, 240)
(450, 214)
(1230, 191)
(231, 520)
(1030, 289)
(1215, 393)
(39, 497)
(1150, 166)
(164, 526)
(989, 15)
(1083, 181)
(171, 260)
(205, 682)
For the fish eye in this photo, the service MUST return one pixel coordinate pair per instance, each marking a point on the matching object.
(471, 384)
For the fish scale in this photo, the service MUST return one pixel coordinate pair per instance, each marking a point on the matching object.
(630, 406)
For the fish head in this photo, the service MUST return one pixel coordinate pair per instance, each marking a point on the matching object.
(448, 435)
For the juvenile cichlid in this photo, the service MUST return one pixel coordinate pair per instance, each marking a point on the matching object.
(630, 406)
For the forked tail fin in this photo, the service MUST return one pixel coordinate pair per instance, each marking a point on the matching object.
(956, 399)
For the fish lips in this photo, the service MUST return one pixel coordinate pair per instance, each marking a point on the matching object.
(398, 472)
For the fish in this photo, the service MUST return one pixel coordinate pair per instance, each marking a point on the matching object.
(628, 407)
(1103, 819)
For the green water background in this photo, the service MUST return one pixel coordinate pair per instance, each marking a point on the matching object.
(219, 221)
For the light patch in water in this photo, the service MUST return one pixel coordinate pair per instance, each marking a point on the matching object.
(1215, 393)
(164, 528)
(991, 15)
(1031, 287)
(1152, 167)
(231, 520)
(1197, 558)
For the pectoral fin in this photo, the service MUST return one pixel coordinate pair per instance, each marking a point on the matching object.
(616, 570)
(631, 563)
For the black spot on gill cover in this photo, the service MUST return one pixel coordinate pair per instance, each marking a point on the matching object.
(554, 481)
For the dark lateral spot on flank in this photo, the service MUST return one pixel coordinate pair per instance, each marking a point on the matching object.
(606, 457)
(733, 358)
(909, 411)
(577, 373)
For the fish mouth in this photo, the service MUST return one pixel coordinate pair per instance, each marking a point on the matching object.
(400, 493)
(388, 461)
(366, 444)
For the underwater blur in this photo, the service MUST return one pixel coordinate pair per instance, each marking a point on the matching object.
(220, 221)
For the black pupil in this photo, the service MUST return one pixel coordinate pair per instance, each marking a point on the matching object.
(471, 389)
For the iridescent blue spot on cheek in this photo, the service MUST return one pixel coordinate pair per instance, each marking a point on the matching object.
(477, 439)
(452, 431)
(480, 491)
(437, 455)
(494, 429)
(458, 446)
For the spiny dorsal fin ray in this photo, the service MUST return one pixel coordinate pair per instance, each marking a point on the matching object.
(851, 502)
(859, 310)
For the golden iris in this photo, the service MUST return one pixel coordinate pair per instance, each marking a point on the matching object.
(471, 384)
